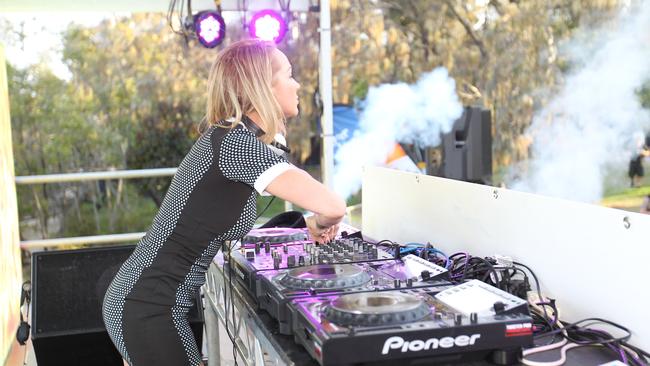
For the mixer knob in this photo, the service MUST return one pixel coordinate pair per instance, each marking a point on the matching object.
(276, 262)
(267, 247)
(409, 282)
(301, 260)
(258, 246)
(291, 261)
(397, 283)
(285, 248)
(426, 275)
(499, 307)
(473, 318)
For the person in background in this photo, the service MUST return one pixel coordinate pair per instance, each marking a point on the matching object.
(635, 169)
(645, 206)
(251, 93)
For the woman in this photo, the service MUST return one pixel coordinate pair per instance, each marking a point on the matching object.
(211, 199)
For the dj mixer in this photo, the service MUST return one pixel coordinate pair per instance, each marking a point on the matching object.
(354, 301)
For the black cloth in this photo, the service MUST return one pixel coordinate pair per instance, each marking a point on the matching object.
(636, 167)
(291, 219)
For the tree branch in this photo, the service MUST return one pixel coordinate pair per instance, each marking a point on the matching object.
(468, 29)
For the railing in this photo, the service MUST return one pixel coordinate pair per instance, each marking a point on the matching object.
(79, 177)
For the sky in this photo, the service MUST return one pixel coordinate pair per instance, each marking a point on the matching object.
(43, 37)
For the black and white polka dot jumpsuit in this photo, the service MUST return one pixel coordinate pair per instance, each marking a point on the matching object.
(211, 199)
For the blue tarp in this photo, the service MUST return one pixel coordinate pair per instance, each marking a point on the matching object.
(346, 122)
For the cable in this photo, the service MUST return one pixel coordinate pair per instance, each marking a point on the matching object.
(225, 302)
(574, 327)
(265, 208)
(558, 362)
(539, 290)
(232, 302)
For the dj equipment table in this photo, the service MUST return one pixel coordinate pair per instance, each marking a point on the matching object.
(259, 342)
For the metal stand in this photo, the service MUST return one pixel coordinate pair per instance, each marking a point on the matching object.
(256, 340)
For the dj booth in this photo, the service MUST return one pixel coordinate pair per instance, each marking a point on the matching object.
(259, 341)
(271, 317)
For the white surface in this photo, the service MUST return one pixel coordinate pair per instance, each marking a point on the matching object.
(583, 255)
(477, 297)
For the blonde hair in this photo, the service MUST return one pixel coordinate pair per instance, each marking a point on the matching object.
(239, 83)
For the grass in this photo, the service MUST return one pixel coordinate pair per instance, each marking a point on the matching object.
(629, 199)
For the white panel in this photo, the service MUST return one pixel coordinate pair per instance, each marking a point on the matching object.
(586, 256)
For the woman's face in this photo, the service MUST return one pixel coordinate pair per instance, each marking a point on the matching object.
(284, 87)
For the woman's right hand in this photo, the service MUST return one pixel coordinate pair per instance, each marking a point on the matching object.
(319, 233)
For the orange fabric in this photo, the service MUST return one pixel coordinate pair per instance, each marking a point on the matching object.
(397, 153)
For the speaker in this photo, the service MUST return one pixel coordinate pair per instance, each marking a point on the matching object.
(467, 148)
(68, 289)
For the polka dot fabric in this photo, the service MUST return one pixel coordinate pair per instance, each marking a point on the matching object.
(243, 158)
(174, 238)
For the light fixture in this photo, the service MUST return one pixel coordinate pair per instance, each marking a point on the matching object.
(268, 25)
(210, 28)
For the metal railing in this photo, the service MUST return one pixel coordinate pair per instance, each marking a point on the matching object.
(88, 176)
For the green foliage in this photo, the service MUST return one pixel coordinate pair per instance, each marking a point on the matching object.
(158, 148)
(644, 95)
(135, 217)
(360, 89)
(275, 207)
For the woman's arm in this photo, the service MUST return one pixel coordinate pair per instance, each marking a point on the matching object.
(299, 188)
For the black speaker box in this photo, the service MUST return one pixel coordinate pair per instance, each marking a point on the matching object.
(467, 148)
(68, 289)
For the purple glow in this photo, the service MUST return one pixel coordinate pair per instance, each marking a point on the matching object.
(268, 25)
(210, 28)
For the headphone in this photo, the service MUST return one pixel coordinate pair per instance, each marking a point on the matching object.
(255, 129)
(22, 334)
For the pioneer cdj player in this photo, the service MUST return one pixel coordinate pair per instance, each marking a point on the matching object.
(413, 324)
(352, 301)
(278, 287)
(276, 272)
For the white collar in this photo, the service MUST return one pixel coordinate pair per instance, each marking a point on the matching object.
(278, 137)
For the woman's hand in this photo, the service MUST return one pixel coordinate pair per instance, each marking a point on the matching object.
(319, 233)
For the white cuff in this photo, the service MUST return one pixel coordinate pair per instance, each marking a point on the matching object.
(269, 175)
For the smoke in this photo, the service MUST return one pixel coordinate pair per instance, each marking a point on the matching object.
(397, 113)
(589, 126)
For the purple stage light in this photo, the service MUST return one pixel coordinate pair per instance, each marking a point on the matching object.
(268, 25)
(210, 28)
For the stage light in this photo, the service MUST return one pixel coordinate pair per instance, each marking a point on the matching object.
(268, 25)
(210, 28)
